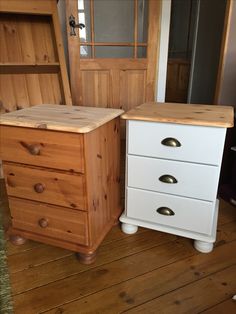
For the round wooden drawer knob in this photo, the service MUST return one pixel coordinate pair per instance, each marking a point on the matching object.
(34, 149)
(39, 188)
(43, 223)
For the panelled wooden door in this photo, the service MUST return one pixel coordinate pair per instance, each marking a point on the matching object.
(113, 59)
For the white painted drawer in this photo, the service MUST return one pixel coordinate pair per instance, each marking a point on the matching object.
(190, 214)
(193, 180)
(198, 143)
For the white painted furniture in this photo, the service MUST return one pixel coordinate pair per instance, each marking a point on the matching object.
(173, 161)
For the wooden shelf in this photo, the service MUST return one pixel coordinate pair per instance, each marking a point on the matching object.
(21, 67)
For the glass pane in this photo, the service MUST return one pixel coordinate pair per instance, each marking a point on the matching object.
(114, 52)
(84, 17)
(85, 52)
(142, 52)
(114, 20)
(142, 21)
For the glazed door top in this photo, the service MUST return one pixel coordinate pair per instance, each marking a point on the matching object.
(113, 54)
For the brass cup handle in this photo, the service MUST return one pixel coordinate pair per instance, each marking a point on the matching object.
(43, 223)
(166, 211)
(34, 149)
(39, 187)
(167, 178)
(170, 141)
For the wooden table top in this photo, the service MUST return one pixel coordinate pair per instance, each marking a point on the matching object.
(75, 119)
(193, 114)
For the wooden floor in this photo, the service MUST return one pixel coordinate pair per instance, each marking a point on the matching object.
(149, 272)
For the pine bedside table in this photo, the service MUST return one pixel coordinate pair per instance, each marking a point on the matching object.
(173, 161)
(62, 170)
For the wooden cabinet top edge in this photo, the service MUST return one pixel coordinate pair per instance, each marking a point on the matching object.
(190, 114)
(73, 119)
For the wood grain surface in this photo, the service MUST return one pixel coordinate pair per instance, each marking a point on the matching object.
(32, 63)
(205, 115)
(61, 118)
(44, 185)
(137, 273)
(55, 150)
(59, 222)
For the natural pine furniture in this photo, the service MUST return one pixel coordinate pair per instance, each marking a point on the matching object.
(32, 63)
(62, 170)
(173, 161)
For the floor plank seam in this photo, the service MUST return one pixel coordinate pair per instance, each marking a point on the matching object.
(225, 223)
(211, 307)
(91, 268)
(179, 287)
(204, 277)
(116, 284)
(37, 265)
(26, 250)
(69, 254)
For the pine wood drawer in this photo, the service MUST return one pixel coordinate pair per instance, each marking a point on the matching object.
(44, 185)
(43, 148)
(189, 214)
(198, 144)
(173, 177)
(49, 221)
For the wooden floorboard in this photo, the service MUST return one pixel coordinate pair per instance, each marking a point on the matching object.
(148, 272)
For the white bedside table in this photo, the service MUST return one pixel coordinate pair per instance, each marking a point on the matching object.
(173, 161)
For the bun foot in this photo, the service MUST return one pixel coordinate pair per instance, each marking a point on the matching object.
(17, 239)
(86, 259)
(203, 247)
(129, 229)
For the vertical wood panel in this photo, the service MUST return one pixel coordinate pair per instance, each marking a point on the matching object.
(115, 88)
(92, 26)
(61, 55)
(135, 27)
(21, 90)
(57, 82)
(34, 92)
(39, 41)
(12, 40)
(3, 45)
(132, 92)
(31, 39)
(177, 80)
(132, 88)
(96, 88)
(7, 94)
(74, 52)
(102, 153)
(26, 40)
(154, 18)
(48, 85)
(14, 54)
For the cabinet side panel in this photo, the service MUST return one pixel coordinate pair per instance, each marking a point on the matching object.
(102, 158)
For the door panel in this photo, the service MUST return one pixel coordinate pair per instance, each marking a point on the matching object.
(132, 88)
(95, 88)
(113, 58)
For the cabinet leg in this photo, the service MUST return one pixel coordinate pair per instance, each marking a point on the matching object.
(17, 239)
(129, 229)
(202, 246)
(86, 259)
